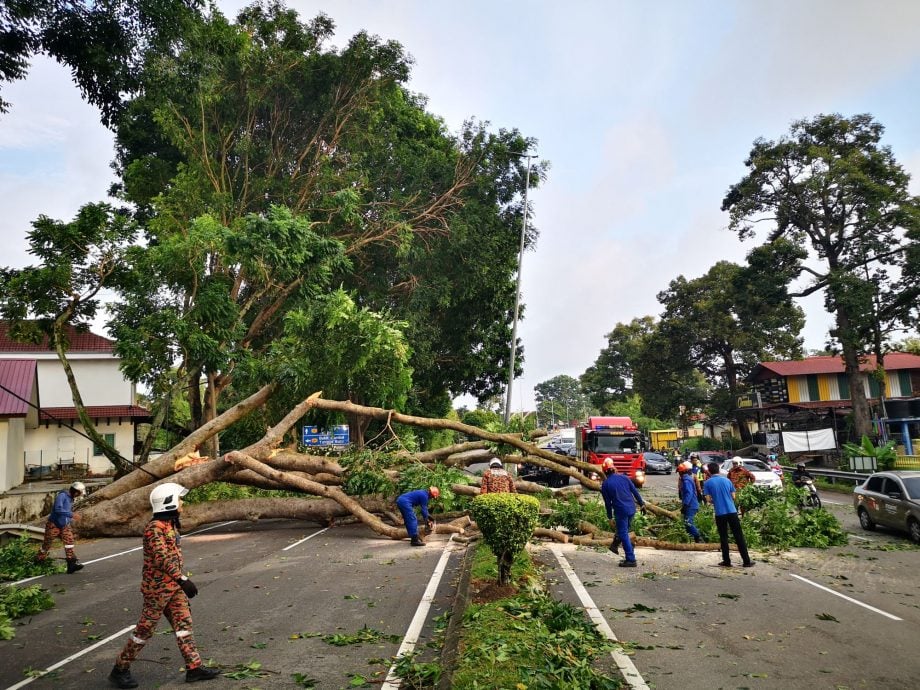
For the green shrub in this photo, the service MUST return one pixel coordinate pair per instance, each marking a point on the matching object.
(223, 491)
(884, 455)
(364, 472)
(507, 522)
(570, 512)
(419, 476)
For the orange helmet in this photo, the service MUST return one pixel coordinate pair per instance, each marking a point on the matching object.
(684, 467)
(434, 491)
(608, 466)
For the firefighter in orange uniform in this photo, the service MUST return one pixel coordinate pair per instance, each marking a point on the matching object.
(497, 479)
(166, 590)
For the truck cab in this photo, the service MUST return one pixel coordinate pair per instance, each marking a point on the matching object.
(613, 437)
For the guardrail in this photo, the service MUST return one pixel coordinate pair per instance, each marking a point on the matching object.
(834, 475)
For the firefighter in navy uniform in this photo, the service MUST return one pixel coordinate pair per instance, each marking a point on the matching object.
(165, 589)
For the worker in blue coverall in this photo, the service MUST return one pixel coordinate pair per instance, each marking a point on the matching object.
(689, 504)
(408, 502)
(620, 499)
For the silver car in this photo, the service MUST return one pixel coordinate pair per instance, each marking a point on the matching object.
(890, 499)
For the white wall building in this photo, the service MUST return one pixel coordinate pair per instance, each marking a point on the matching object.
(57, 437)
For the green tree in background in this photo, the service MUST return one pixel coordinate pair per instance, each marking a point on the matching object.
(829, 186)
(561, 399)
(610, 378)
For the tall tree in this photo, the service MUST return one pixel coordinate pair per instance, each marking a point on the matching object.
(255, 114)
(561, 398)
(77, 261)
(731, 318)
(610, 378)
(830, 186)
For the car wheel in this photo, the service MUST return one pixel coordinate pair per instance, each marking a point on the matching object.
(913, 529)
(668, 472)
(865, 521)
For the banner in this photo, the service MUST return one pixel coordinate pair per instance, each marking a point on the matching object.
(819, 439)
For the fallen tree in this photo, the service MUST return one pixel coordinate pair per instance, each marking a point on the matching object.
(316, 485)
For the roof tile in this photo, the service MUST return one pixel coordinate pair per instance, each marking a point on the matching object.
(19, 376)
(80, 341)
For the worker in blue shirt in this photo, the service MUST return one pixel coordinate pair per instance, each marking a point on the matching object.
(689, 504)
(620, 499)
(408, 502)
(58, 526)
(720, 492)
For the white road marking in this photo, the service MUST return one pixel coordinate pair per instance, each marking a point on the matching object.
(625, 664)
(844, 596)
(856, 536)
(58, 665)
(297, 543)
(122, 553)
(392, 682)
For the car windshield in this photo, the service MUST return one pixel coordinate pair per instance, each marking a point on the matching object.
(912, 486)
(756, 466)
(654, 457)
(615, 444)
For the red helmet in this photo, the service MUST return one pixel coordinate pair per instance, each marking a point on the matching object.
(608, 466)
(434, 491)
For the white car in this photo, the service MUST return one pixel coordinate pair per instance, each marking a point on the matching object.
(763, 475)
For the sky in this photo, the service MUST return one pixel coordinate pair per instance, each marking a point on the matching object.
(645, 113)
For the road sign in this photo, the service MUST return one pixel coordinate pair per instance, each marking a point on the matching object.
(317, 437)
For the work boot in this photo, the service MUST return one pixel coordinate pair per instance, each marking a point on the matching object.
(416, 541)
(122, 678)
(73, 565)
(697, 540)
(615, 544)
(627, 564)
(193, 675)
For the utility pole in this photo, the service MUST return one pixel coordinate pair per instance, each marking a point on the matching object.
(517, 296)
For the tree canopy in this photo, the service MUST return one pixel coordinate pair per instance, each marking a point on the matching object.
(831, 187)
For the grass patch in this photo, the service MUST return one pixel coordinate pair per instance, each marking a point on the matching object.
(527, 639)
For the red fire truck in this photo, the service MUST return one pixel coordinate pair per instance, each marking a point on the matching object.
(612, 437)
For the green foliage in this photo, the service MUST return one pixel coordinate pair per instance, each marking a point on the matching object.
(507, 522)
(418, 476)
(561, 399)
(365, 472)
(416, 675)
(530, 640)
(884, 455)
(17, 602)
(609, 378)
(223, 491)
(364, 635)
(570, 512)
(17, 561)
(485, 566)
(632, 408)
(484, 419)
(700, 443)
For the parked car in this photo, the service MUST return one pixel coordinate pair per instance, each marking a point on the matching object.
(763, 475)
(657, 463)
(707, 456)
(543, 475)
(890, 499)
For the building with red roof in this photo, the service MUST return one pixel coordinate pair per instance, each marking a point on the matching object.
(57, 437)
(18, 413)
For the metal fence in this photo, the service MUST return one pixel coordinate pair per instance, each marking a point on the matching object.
(48, 462)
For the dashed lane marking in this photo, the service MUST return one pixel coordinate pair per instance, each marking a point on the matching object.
(849, 599)
(623, 662)
(122, 553)
(298, 543)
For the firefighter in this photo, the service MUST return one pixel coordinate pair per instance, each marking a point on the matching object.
(58, 525)
(497, 480)
(620, 499)
(165, 589)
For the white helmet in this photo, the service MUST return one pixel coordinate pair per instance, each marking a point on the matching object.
(79, 487)
(166, 497)
(495, 462)
(737, 462)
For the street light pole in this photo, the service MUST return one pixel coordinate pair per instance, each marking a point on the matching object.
(517, 296)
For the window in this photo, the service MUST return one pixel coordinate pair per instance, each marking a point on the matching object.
(874, 390)
(905, 385)
(875, 484)
(109, 438)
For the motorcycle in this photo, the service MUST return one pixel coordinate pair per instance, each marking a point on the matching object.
(812, 499)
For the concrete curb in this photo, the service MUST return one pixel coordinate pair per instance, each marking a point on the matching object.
(450, 649)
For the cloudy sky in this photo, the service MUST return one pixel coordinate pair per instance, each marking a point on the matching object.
(645, 112)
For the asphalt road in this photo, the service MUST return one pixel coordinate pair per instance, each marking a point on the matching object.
(847, 617)
(258, 603)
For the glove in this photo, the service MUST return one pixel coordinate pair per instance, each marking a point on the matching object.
(188, 587)
(430, 525)
(643, 509)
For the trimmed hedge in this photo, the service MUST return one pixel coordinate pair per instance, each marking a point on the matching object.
(507, 522)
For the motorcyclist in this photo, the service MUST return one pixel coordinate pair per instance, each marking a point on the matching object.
(800, 475)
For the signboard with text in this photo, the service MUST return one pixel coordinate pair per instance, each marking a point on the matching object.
(316, 437)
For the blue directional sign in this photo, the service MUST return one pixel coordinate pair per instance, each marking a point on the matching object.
(317, 437)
